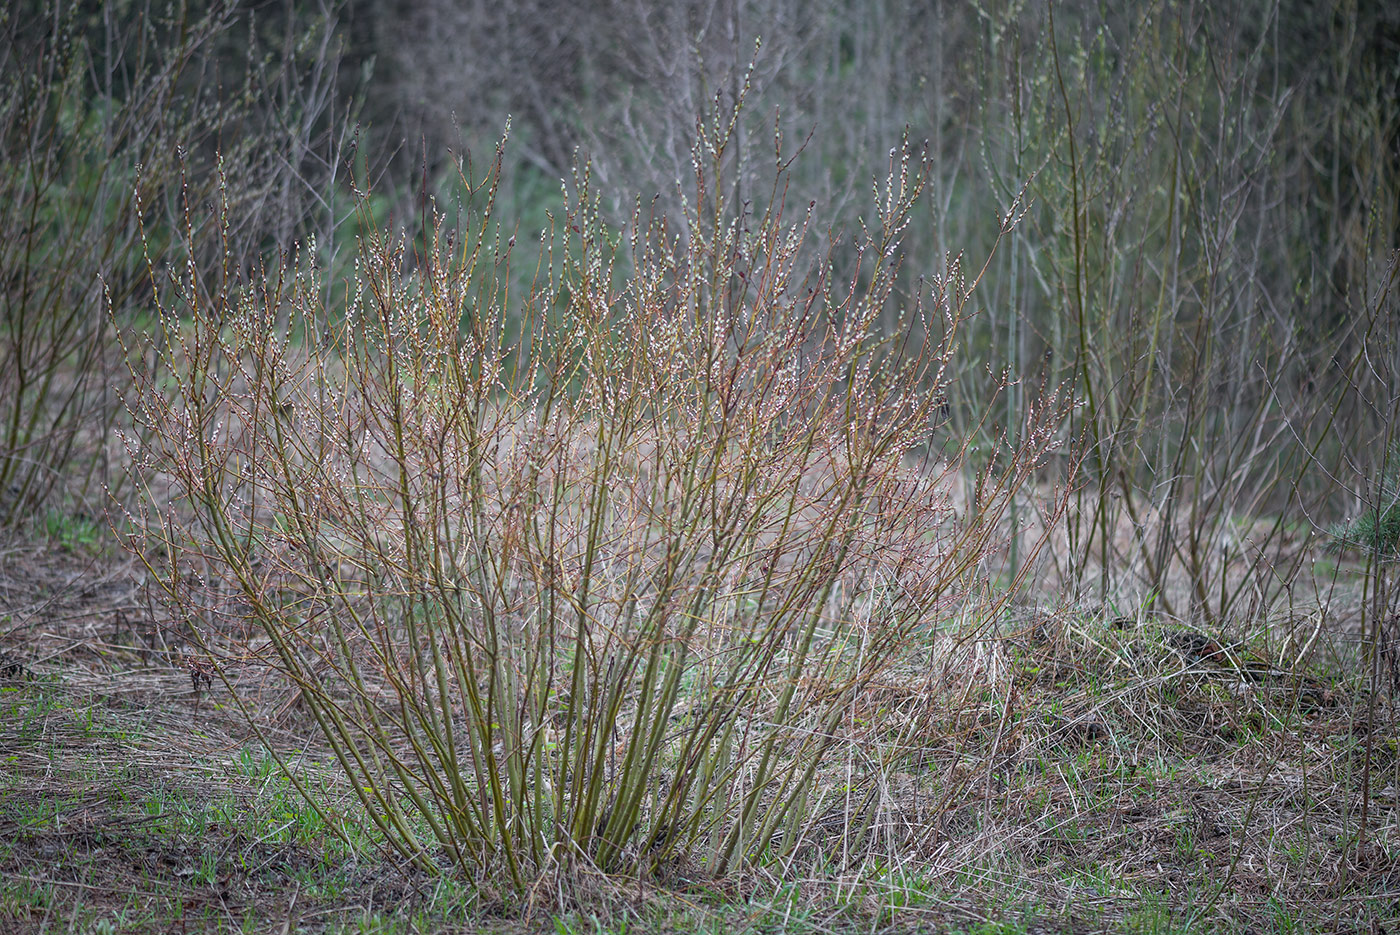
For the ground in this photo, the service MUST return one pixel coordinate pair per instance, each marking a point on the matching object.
(1136, 778)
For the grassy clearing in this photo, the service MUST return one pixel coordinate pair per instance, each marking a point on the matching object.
(132, 804)
(1077, 773)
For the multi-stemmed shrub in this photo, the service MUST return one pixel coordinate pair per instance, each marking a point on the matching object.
(593, 576)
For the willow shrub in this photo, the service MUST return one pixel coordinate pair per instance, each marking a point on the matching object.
(589, 578)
